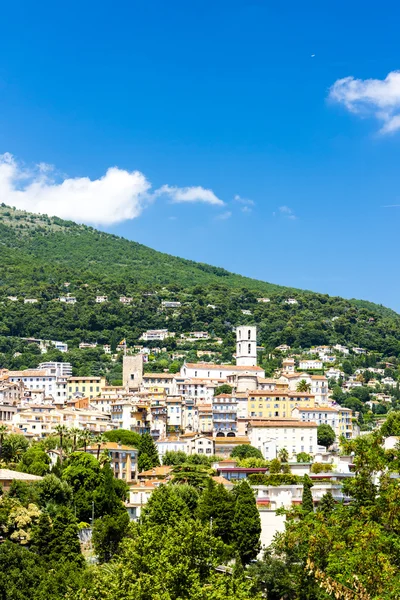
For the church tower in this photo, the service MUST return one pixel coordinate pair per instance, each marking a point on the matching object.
(246, 346)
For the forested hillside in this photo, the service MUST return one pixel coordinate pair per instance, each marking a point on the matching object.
(39, 255)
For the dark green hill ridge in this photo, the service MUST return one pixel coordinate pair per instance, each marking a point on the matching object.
(53, 242)
(38, 254)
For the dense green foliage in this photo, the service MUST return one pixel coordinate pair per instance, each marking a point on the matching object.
(246, 451)
(325, 435)
(38, 255)
(348, 551)
(148, 454)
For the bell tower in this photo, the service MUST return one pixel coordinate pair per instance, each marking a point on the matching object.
(246, 346)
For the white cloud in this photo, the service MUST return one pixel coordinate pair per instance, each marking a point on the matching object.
(245, 201)
(287, 212)
(224, 216)
(189, 194)
(371, 97)
(247, 204)
(116, 196)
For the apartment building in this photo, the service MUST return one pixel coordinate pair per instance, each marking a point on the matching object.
(156, 335)
(87, 386)
(224, 414)
(35, 379)
(338, 417)
(275, 404)
(270, 436)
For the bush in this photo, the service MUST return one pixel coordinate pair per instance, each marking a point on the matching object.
(321, 468)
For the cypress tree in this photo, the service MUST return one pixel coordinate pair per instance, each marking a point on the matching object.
(218, 504)
(148, 455)
(246, 525)
(327, 504)
(307, 503)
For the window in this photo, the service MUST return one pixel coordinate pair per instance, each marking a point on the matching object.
(195, 373)
(249, 335)
(240, 335)
(240, 348)
(132, 376)
(249, 349)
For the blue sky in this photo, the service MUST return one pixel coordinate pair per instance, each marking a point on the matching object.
(212, 100)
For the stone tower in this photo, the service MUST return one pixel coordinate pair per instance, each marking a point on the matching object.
(246, 346)
(132, 372)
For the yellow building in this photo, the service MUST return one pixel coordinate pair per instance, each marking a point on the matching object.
(88, 386)
(276, 404)
(205, 418)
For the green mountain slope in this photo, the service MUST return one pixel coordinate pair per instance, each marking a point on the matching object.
(63, 247)
(39, 254)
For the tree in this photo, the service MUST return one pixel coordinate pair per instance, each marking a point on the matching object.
(283, 455)
(347, 367)
(85, 438)
(62, 430)
(303, 457)
(391, 426)
(246, 525)
(307, 504)
(13, 447)
(325, 435)
(223, 389)
(327, 504)
(108, 532)
(98, 440)
(303, 386)
(246, 451)
(165, 507)
(194, 475)
(172, 458)
(319, 467)
(35, 461)
(124, 436)
(3, 432)
(148, 455)
(217, 508)
(51, 489)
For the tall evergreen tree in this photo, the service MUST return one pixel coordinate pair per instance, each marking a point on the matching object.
(218, 504)
(307, 503)
(246, 525)
(165, 507)
(327, 504)
(148, 455)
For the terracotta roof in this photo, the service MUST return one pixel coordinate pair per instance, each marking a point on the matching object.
(89, 378)
(162, 471)
(321, 409)
(159, 375)
(7, 475)
(231, 440)
(273, 393)
(318, 377)
(212, 366)
(29, 373)
(281, 423)
(219, 479)
(110, 446)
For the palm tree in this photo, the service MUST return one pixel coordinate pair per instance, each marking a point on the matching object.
(283, 455)
(303, 386)
(99, 440)
(85, 438)
(62, 431)
(3, 432)
(74, 433)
